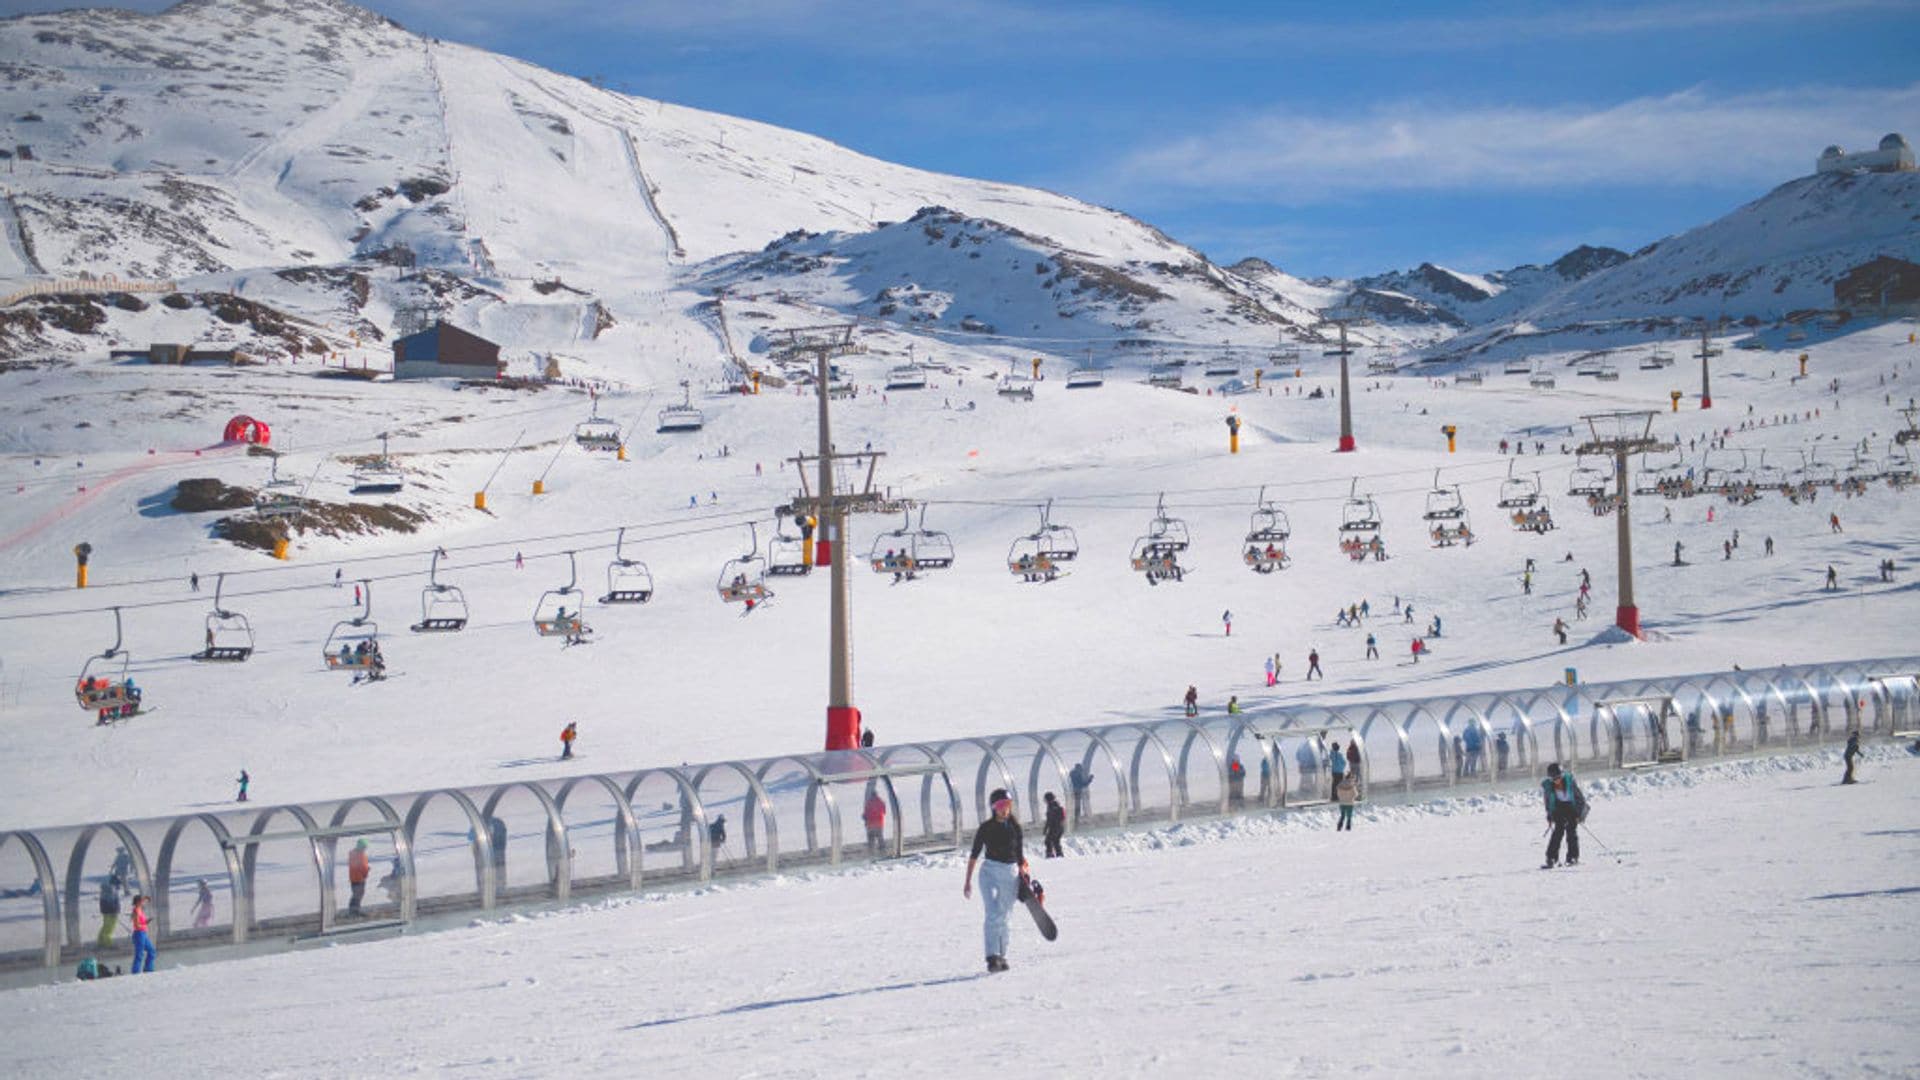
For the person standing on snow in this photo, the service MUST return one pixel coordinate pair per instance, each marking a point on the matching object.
(1081, 778)
(874, 816)
(143, 952)
(1192, 701)
(1226, 620)
(1337, 765)
(1353, 759)
(998, 838)
(1348, 792)
(1313, 665)
(1850, 756)
(1269, 671)
(358, 867)
(1373, 647)
(1056, 826)
(243, 781)
(1560, 628)
(109, 911)
(1566, 808)
(567, 735)
(1833, 579)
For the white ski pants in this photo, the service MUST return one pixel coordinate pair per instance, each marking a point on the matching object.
(999, 885)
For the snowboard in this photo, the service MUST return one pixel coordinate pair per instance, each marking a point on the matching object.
(1034, 896)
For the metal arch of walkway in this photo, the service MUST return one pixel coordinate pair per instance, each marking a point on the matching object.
(444, 843)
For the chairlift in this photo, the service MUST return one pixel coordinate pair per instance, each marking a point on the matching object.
(1657, 470)
(597, 433)
(1607, 373)
(1518, 366)
(1360, 514)
(1222, 367)
(787, 553)
(1899, 469)
(1039, 555)
(1157, 560)
(1541, 380)
(1086, 378)
(743, 579)
(1169, 532)
(550, 615)
(104, 687)
(379, 476)
(1769, 477)
(1468, 378)
(906, 551)
(354, 644)
(1267, 533)
(628, 580)
(1912, 431)
(682, 417)
(277, 498)
(229, 635)
(443, 607)
(1535, 517)
(1586, 480)
(1718, 468)
(1519, 492)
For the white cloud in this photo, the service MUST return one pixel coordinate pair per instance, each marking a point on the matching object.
(1686, 138)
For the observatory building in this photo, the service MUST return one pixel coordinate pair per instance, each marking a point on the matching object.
(1894, 155)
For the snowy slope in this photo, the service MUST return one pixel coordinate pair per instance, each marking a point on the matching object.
(1739, 920)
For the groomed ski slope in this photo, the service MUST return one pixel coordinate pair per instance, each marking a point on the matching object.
(1749, 921)
(970, 651)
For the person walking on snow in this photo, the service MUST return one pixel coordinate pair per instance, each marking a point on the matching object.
(1833, 522)
(1566, 808)
(1676, 553)
(203, 907)
(1192, 701)
(1353, 759)
(1833, 579)
(1526, 583)
(1056, 826)
(1850, 756)
(1269, 671)
(1560, 628)
(1276, 669)
(243, 781)
(1348, 792)
(1313, 665)
(143, 954)
(998, 838)
(1226, 620)
(358, 867)
(1769, 547)
(1373, 647)
(567, 735)
(1417, 648)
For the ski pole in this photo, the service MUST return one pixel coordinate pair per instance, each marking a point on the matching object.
(1602, 843)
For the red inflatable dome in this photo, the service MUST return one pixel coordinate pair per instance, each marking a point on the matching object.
(247, 430)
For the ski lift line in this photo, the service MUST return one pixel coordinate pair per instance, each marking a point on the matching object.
(495, 474)
(398, 576)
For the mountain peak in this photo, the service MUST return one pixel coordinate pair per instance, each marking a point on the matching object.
(1587, 259)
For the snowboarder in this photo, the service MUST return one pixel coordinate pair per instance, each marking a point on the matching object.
(998, 838)
(1566, 808)
(874, 816)
(143, 954)
(1348, 792)
(1560, 629)
(1313, 665)
(1850, 755)
(1192, 701)
(358, 866)
(1226, 620)
(243, 781)
(1056, 826)
(1373, 647)
(567, 735)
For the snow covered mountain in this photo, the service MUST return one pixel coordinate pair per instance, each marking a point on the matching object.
(324, 161)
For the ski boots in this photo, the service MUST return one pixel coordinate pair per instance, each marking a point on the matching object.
(996, 964)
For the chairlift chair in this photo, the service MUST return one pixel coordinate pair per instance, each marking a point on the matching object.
(1157, 559)
(1541, 380)
(1040, 555)
(354, 644)
(744, 578)
(550, 615)
(1519, 492)
(1536, 517)
(443, 607)
(906, 551)
(787, 553)
(1168, 532)
(628, 580)
(1586, 480)
(1517, 366)
(907, 377)
(229, 635)
(1086, 378)
(1443, 503)
(682, 417)
(379, 476)
(277, 498)
(104, 686)
(596, 433)
(1360, 514)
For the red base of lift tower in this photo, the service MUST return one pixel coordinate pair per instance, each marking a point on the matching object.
(843, 727)
(1346, 445)
(1628, 619)
(1706, 402)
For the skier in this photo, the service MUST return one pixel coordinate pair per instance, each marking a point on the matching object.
(193, 581)
(1676, 554)
(1566, 808)
(1526, 583)
(1347, 791)
(143, 953)
(1833, 579)
(358, 867)
(1417, 648)
(874, 815)
(1373, 647)
(1580, 607)
(1313, 665)
(567, 735)
(1233, 704)
(1409, 613)
(1833, 522)
(1434, 630)
(998, 838)
(1056, 826)
(1336, 765)
(1192, 701)
(1586, 579)
(1082, 782)
(1269, 671)
(1850, 756)
(1769, 547)
(109, 911)
(1560, 628)
(1226, 620)
(243, 781)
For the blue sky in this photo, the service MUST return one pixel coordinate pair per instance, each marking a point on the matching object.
(1325, 138)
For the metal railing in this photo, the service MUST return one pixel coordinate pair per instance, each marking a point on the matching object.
(288, 870)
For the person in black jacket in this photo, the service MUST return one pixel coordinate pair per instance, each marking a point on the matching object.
(1852, 751)
(1566, 807)
(1056, 826)
(998, 838)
